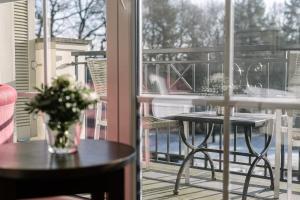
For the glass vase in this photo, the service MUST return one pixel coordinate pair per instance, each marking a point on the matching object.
(63, 142)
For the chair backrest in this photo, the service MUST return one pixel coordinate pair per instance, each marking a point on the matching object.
(167, 107)
(98, 71)
(8, 97)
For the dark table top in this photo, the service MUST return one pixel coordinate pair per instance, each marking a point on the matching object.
(251, 119)
(32, 160)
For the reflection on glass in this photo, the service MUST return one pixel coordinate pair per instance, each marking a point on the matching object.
(183, 53)
(267, 40)
(183, 44)
(267, 49)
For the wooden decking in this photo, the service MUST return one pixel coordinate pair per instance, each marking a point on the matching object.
(159, 179)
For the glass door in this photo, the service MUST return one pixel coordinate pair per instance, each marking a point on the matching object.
(266, 52)
(218, 99)
(181, 74)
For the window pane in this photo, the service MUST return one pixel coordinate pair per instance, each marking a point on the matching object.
(267, 58)
(78, 43)
(183, 56)
(266, 48)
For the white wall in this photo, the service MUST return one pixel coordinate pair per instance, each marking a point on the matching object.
(6, 43)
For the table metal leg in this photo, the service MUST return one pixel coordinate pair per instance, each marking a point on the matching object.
(186, 161)
(258, 157)
(186, 152)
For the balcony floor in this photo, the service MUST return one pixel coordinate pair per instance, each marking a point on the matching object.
(159, 180)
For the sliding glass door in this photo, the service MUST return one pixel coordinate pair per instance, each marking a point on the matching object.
(218, 98)
(181, 70)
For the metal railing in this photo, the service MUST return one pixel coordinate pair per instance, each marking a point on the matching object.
(196, 70)
(239, 160)
(193, 71)
(86, 55)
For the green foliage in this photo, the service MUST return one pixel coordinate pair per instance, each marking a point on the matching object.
(63, 102)
(181, 23)
(249, 14)
(291, 25)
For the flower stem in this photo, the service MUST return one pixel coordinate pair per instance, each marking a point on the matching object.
(61, 140)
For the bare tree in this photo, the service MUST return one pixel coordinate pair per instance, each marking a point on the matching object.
(180, 23)
(59, 12)
(79, 19)
(90, 20)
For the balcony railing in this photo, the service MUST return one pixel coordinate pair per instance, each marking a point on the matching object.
(197, 71)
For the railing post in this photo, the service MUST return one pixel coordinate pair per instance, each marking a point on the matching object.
(76, 67)
(277, 153)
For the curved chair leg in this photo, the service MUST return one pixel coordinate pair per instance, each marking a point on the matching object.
(248, 176)
(186, 161)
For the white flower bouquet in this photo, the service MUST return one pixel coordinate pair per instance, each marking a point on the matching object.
(63, 103)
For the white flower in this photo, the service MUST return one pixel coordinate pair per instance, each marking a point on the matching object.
(217, 77)
(68, 77)
(68, 105)
(85, 96)
(94, 96)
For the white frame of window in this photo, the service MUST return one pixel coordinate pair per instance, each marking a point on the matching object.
(228, 77)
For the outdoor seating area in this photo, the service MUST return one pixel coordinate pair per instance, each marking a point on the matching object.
(176, 163)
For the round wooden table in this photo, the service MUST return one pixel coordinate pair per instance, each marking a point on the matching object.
(27, 170)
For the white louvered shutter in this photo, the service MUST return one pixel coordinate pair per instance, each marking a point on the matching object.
(21, 66)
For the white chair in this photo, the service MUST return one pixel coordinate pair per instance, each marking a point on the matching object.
(161, 108)
(293, 135)
(98, 71)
